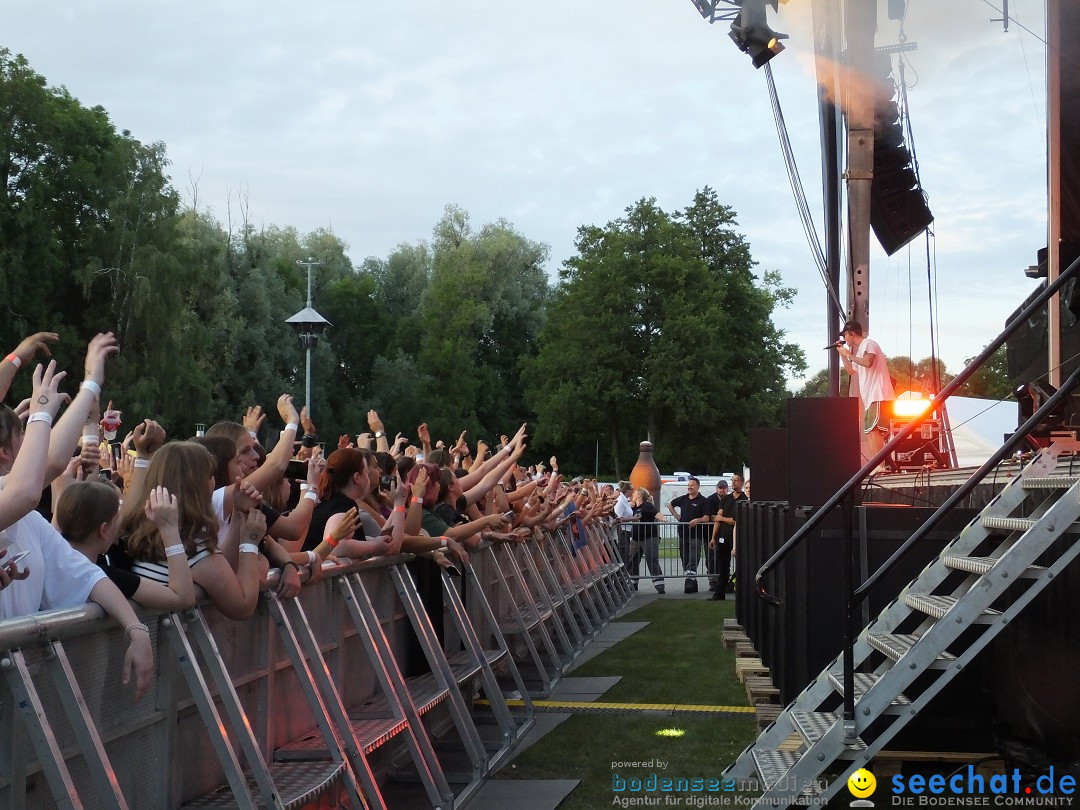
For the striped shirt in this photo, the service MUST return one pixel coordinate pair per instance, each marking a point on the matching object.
(159, 572)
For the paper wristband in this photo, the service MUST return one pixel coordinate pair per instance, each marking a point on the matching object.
(173, 550)
(249, 548)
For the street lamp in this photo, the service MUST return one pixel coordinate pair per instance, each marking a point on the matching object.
(308, 324)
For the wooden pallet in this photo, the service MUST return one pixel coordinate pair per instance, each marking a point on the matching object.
(744, 649)
(760, 690)
(732, 638)
(733, 624)
(767, 713)
(749, 666)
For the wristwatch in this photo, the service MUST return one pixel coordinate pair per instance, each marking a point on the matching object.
(379, 434)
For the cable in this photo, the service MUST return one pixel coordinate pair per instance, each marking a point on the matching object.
(797, 189)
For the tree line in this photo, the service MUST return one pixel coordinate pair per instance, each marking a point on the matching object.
(658, 327)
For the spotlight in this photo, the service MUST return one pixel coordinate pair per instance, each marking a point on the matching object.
(751, 32)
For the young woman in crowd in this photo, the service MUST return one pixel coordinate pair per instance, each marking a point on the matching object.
(187, 469)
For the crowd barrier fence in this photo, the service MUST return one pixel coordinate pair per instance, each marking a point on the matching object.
(317, 701)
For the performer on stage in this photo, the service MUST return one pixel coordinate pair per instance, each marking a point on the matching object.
(865, 362)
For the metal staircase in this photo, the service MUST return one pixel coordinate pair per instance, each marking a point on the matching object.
(937, 624)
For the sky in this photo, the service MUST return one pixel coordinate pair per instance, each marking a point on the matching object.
(368, 118)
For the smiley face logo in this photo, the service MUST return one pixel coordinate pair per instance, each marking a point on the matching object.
(862, 783)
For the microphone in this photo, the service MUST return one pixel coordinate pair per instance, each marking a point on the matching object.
(833, 346)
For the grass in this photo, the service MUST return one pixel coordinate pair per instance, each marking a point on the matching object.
(678, 658)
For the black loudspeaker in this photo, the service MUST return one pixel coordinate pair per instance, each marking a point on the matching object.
(898, 209)
(769, 464)
(823, 447)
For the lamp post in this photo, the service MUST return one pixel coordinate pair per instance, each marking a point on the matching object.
(308, 324)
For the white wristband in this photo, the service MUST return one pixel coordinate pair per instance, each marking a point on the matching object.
(253, 435)
(312, 495)
(91, 386)
(292, 426)
(141, 463)
(90, 438)
(14, 359)
(173, 550)
(40, 416)
(304, 486)
(249, 548)
(313, 558)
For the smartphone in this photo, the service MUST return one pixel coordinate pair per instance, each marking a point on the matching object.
(106, 474)
(387, 482)
(510, 516)
(14, 560)
(296, 469)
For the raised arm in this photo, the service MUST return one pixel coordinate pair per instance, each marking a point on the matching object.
(278, 458)
(23, 354)
(68, 428)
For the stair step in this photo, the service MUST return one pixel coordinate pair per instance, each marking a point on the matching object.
(297, 783)
(938, 606)
(896, 645)
(813, 725)
(1049, 482)
(772, 765)
(862, 682)
(1009, 524)
(973, 565)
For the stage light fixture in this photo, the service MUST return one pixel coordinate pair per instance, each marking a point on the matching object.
(909, 405)
(751, 33)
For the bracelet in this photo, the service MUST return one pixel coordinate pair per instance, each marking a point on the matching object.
(253, 435)
(330, 541)
(141, 463)
(399, 509)
(292, 563)
(91, 386)
(313, 558)
(136, 626)
(175, 549)
(379, 434)
(14, 359)
(444, 541)
(417, 499)
(292, 426)
(40, 416)
(249, 548)
(309, 440)
(312, 495)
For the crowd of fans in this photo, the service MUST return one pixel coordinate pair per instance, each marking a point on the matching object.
(148, 519)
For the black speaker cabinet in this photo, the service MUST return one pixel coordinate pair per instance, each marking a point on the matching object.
(823, 447)
(769, 464)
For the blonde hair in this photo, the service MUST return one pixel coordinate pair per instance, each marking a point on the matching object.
(644, 494)
(185, 469)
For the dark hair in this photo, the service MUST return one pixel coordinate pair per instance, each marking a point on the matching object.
(340, 468)
(10, 427)
(693, 478)
(387, 463)
(83, 507)
(439, 456)
(405, 465)
(222, 450)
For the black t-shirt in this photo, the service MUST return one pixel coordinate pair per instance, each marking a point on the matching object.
(691, 509)
(123, 578)
(336, 504)
(645, 528)
(448, 514)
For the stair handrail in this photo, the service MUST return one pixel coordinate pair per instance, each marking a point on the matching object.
(856, 480)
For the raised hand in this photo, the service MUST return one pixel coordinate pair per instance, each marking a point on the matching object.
(374, 422)
(101, 347)
(423, 433)
(162, 509)
(346, 527)
(287, 411)
(343, 441)
(253, 419)
(37, 342)
(306, 423)
(246, 498)
(46, 390)
(147, 437)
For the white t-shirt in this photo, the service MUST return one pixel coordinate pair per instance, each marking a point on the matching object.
(60, 577)
(218, 500)
(623, 509)
(874, 382)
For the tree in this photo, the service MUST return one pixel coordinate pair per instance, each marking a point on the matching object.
(991, 380)
(659, 327)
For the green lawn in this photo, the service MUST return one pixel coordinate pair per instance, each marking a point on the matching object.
(678, 658)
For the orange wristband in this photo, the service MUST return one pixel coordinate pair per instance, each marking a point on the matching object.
(330, 541)
(399, 508)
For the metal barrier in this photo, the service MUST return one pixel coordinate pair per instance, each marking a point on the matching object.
(307, 703)
(665, 554)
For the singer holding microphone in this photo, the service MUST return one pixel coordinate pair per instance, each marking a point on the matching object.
(865, 362)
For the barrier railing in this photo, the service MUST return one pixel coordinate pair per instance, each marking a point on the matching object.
(666, 549)
(312, 700)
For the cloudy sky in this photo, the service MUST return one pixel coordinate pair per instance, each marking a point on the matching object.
(369, 117)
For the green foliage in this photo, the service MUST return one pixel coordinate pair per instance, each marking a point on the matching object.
(991, 380)
(660, 329)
